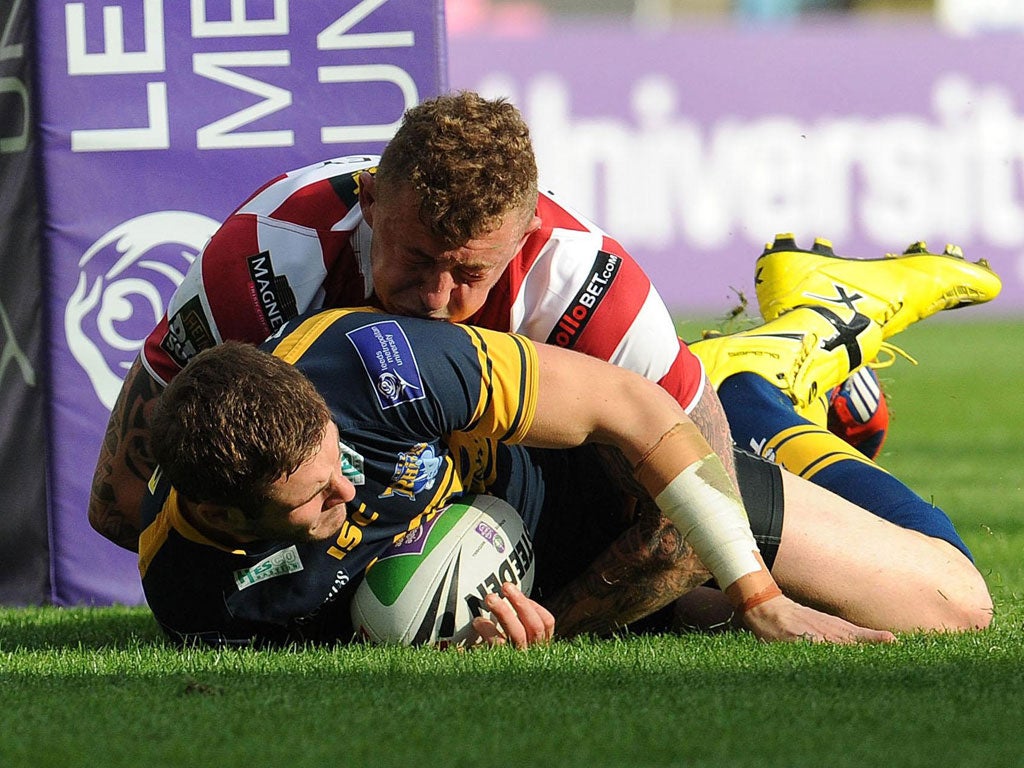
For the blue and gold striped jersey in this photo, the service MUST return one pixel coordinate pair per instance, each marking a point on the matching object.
(426, 411)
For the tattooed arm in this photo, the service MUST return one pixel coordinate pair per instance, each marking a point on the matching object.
(125, 463)
(645, 569)
(709, 416)
(650, 564)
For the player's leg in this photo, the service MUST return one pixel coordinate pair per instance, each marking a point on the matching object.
(844, 560)
(895, 292)
(768, 377)
(763, 421)
(832, 555)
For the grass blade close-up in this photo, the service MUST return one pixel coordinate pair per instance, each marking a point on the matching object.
(99, 687)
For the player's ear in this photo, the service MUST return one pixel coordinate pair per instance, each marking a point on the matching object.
(367, 195)
(532, 226)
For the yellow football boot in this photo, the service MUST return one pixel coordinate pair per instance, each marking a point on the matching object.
(805, 352)
(894, 291)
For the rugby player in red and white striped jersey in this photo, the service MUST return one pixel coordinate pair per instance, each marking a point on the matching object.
(302, 242)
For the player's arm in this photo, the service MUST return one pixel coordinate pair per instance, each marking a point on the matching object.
(125, 463)
(581, 400)
(628, 324)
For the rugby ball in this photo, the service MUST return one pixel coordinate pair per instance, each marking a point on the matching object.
(427, 587)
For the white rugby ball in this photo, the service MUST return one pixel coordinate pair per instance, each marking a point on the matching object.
(427, 587)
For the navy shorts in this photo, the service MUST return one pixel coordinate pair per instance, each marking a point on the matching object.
(585, 510)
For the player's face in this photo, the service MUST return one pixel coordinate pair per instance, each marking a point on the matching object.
(414, 275)
(310, 503)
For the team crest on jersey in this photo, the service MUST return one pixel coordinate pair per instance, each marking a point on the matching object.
(188, 332)
(274, 295)
(389, 362)
(416, 470)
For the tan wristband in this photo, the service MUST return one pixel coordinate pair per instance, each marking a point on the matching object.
(753, 589)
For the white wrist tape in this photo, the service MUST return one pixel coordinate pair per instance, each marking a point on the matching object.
(702, 505)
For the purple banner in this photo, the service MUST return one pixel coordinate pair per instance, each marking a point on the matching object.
(693, 147)
(155, 124)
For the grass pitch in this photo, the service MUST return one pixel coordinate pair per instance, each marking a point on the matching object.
(98, 687)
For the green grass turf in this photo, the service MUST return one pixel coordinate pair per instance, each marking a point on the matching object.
(98, 687)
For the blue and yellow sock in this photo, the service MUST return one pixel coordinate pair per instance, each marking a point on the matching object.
(763, 421)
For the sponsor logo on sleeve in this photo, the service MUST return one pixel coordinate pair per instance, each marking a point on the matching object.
(280, 563)
(274, 296)
(576, 316)
(389, 362)
(188, 332)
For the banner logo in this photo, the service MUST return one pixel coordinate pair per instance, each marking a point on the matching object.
(125, 280)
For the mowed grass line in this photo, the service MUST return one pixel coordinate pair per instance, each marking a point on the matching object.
(98, 687)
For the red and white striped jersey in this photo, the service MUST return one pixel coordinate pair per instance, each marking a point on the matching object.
(300, 243)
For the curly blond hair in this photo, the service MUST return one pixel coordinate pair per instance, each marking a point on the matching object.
(470, 160)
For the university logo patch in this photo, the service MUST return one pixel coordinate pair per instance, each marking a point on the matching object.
(389, 362)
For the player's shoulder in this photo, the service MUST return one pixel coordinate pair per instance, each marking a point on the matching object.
(565, 249)
(338, 166)
(336, 178)
(557, 214)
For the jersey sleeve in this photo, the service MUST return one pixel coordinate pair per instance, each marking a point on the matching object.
(509, 384)
(236, 290)
(425, 378)
(290, 248)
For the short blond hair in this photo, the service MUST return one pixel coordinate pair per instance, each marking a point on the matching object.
(469, 159)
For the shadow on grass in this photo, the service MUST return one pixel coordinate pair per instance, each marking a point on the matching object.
(52, 628)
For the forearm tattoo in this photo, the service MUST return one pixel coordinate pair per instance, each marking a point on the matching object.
(125, 462)
(645, 569)
(709, 417)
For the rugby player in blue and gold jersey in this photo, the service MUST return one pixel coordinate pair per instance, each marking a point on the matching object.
(361, 425)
